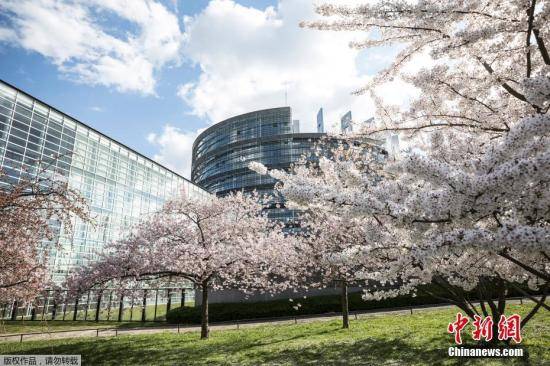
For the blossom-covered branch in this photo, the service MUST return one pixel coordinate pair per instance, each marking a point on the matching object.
(215, 243)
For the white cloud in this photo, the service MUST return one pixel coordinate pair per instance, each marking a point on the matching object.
(249, 57)
(7, 35)
(175, 148)
(77, 36)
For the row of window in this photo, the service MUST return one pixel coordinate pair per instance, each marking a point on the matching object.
(236, 162)
(225, 138)
(252, 125)
(64, 124)
(120, 185)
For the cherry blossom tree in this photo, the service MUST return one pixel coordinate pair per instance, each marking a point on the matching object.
(469, 207)
(334, 250)
(478, 54)
(334, 236)
(490, 73)
(215, 243)
(27, 207)
(453, 251)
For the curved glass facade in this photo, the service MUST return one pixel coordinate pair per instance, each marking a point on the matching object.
(221, 154)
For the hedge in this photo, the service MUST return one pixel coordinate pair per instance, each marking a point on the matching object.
(283, 307)
(308, 306)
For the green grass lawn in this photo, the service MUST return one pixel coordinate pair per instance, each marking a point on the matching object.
(418, 339)
(27, 326)
(135, 313)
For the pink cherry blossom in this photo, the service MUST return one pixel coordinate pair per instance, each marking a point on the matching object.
(214, 243)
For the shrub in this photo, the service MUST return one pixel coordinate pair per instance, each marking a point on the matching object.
(283, 307)
(308, 306)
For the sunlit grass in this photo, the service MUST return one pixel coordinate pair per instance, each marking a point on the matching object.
(418, 339)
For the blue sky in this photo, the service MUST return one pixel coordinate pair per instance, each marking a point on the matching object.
(127, 117)
(153, 73)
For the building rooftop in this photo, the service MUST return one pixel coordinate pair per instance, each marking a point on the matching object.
(96, 131)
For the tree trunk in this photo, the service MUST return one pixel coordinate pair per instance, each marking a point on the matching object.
(489, 289)
(204, 310)
(345, 307)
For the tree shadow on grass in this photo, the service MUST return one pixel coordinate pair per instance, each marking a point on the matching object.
(372, 351)
(247, 342)
(126, 350)
(167, 348)
(363, 352)
(297, 348)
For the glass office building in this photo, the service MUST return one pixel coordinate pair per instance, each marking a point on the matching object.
(221, 154)
(119, 184)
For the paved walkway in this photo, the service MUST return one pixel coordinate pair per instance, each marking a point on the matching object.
(110, 332)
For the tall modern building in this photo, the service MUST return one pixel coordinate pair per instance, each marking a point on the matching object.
(346, 123)
(320, 121)
(221, 154)
(392, 145)
(120, 184)
(295, 126)
(369, 122)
